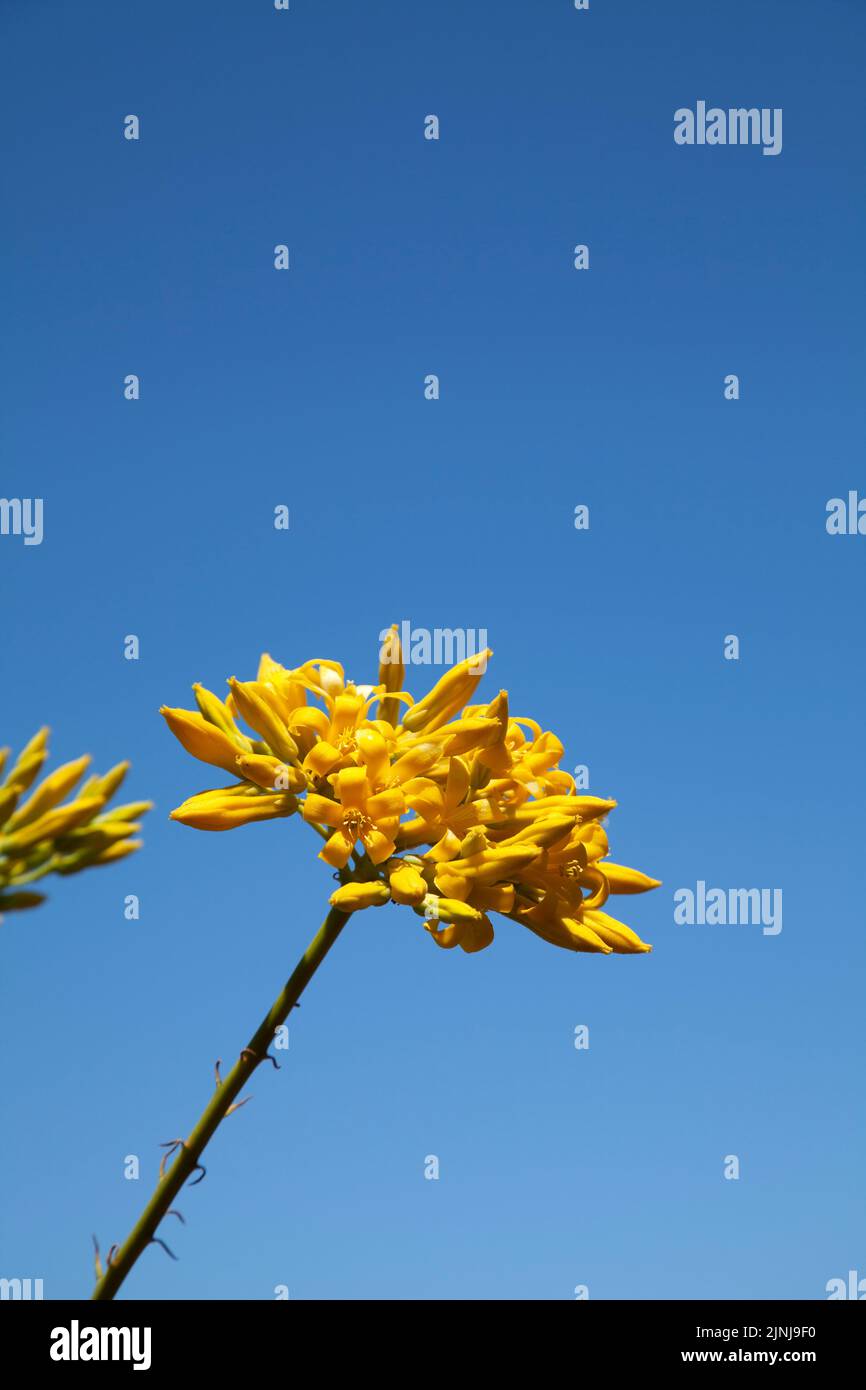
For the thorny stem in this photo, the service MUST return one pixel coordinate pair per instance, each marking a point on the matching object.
(189, 1155)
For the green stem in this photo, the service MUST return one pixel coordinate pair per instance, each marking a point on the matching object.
(144, 1232)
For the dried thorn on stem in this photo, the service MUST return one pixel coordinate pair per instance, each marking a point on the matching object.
(173, 1178)
(238, 1103)
(248, 1052)
(97, 1262)
(180, 1216)
(171, 1145)
(155, 1240)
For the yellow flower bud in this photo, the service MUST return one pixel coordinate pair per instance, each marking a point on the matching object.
(543, 832)
(354, 897)
(223, 811)
(130, 812)
(406, 882)
(623, 880)
(256, 712)
(467, 734)
(28, 767)
(391, 676)
(200, 738)
(448, 695)
(616, 935)
(118, 851)
(215, 711)
(52, 824)
(8, 801)
(106, 785)
(270, 773)
(450, 910)
(583, 938)
(50, 792)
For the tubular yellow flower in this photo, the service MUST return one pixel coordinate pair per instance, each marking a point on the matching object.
(462, 808)
(358, 814)
(45, 834)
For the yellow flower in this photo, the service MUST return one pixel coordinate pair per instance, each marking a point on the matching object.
(358, 813)
(45, 833)
(454, 809)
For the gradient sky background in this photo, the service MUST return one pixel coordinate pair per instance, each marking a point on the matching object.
(558, 1167)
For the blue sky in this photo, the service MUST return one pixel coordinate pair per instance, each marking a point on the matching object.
(707, 517)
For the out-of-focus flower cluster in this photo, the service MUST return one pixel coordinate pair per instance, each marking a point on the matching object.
(44, 833)
(452, 808)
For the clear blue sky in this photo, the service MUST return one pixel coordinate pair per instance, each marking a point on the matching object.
(558, 1167)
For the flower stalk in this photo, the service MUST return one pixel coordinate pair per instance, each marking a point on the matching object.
(188, 1158)
(455, 810)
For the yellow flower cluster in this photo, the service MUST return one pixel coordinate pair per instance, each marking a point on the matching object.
(452, 808)
(42, 835)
